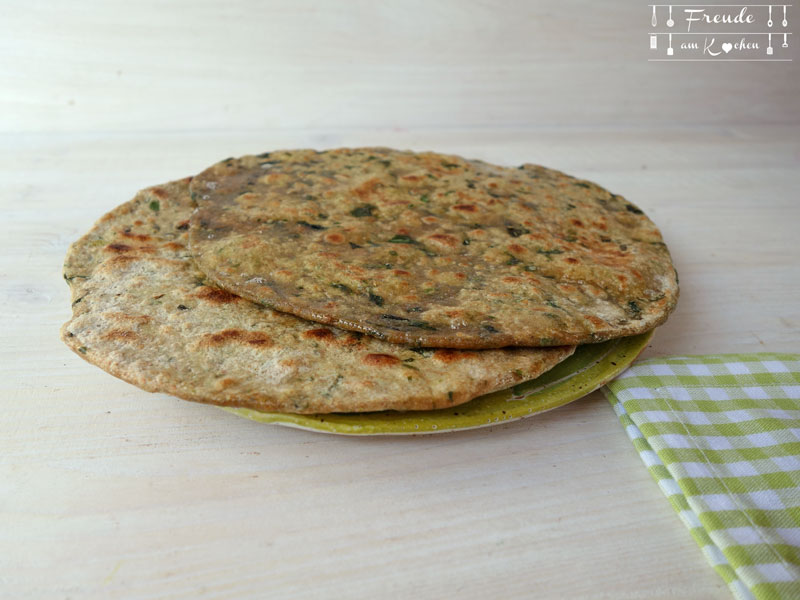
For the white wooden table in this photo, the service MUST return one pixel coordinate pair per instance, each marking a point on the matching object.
(109, 492)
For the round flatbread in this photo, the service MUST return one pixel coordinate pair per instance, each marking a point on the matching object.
(143, 312)
(432, 250)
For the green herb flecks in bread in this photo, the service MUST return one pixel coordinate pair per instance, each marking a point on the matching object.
(144, 312)
(432, 250)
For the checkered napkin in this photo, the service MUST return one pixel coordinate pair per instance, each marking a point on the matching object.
(721, 436)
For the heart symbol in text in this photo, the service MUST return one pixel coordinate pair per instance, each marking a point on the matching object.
(727, 47)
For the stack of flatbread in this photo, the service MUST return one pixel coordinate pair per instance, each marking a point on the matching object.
(356, 280)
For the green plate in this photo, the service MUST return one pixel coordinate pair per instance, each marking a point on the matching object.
(592, 366)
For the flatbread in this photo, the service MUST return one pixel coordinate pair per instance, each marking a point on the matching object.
(432, 250)
(143, 312)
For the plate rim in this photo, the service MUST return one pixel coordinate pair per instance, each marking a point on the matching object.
(548, 397)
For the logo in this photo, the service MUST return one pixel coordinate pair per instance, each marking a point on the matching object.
(721, 32)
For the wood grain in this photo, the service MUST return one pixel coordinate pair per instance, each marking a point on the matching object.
(109, 492)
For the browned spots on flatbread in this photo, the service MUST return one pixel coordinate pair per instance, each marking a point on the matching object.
(119, 316)
(595, 320)
(351, 339)
(381, 360)
(173, 246)
(470, 208)
(123, 335)
(275, 178)
(322, 333)
(139, 237)
(159, 192)
(217, 339)
(572, 260)
(354, 271)
(516, 248)
(183, 225)
(400, 272)
(216, 295)
(251, 338)
(444, 239)
(225, 383)
(334, 238)
(448, 355)
(611, 259)
(121, 259)
(119, 248)
(366, 189)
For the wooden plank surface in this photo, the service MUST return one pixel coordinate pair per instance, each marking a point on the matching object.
(110, 492)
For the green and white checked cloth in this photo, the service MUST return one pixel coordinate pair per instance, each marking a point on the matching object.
(721, 436)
